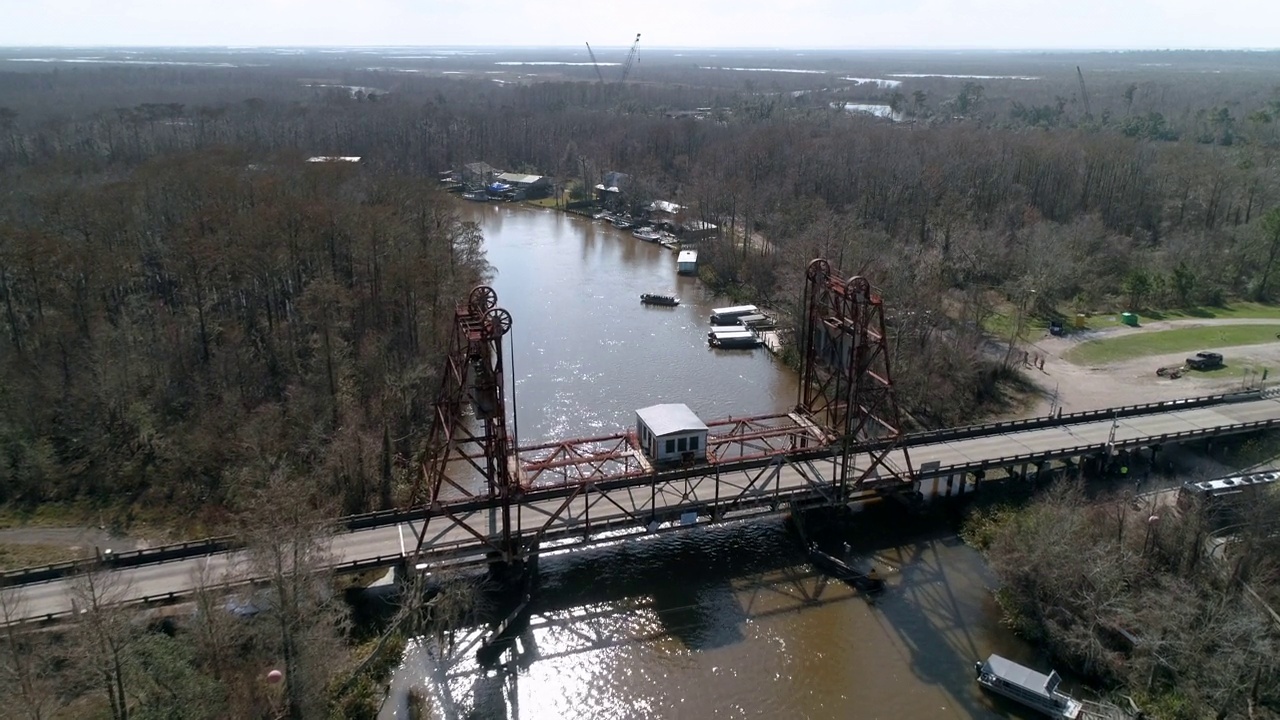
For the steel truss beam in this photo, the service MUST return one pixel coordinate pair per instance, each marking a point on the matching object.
(569, 462)
(595, 512)
(845, 383)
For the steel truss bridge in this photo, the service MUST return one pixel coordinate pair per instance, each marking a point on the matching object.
(480, 497)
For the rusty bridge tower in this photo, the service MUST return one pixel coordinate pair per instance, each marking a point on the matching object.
(469, 454)
(845, 383)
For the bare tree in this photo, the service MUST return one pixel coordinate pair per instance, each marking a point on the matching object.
(27, 677)
(302, 619)
(104, 630)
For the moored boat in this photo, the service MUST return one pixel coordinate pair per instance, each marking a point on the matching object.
(475, 195)
(622, 222)
(735, 341)
(647, 234)
(1035, 690)
(732, 315)
(655, 299)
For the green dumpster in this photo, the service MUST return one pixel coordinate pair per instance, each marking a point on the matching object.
(1130, 319)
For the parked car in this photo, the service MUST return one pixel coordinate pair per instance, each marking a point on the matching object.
(1205, 361)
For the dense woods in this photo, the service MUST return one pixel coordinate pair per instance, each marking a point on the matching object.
(177, 328)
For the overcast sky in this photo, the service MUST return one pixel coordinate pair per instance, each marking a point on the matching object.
(1005, 24)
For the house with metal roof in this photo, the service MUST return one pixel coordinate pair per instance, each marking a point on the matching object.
(521, 180)
(671, 432)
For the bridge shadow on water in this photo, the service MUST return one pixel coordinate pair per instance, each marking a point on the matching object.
(698, 591)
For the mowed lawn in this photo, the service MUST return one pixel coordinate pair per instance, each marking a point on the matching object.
(1139, 344)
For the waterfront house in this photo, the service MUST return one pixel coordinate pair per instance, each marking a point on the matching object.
(478, 174)
(530, 186)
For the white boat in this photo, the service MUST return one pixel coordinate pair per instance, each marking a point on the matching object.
(731, 315)
(1035, 690)
(477, 196)
(647, 234)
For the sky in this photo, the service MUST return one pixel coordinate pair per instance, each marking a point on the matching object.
(852, 24)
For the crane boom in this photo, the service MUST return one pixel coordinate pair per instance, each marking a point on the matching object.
(1084, 96)
(631, 58)
(595, 63)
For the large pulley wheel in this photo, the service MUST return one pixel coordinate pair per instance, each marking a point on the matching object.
(482, 299)
(818, 269)
(858, 286)
(497, 322)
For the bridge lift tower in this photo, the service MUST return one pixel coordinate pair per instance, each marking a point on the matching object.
(465, 457)
(845, 383)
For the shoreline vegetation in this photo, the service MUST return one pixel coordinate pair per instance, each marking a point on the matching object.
(1141, 607)
(202, 331)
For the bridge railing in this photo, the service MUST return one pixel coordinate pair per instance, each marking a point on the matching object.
(993, 428)
(1090, 448)
(130, 558)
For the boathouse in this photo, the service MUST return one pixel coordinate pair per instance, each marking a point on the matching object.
(671, 432)
(687, 262)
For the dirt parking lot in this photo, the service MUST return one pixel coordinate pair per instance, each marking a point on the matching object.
(1130, 382)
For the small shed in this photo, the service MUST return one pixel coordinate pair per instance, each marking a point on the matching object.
(671, 432)
(687, 262)
(697, 230)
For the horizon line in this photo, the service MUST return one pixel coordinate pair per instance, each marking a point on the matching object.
(887, 48)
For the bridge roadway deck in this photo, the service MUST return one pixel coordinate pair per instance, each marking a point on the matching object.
(569, 516)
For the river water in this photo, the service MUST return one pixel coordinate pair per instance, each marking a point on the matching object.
(724, 622)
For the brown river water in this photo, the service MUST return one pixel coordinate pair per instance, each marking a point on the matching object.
(724, 622)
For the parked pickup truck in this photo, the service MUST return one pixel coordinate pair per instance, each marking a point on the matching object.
(1205, 361)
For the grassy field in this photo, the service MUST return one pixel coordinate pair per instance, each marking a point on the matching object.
(1000, 323)
(1236, 310)
(549, 202)
(1124, 347)
(13, 556)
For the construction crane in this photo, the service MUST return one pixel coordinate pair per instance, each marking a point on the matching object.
(1084, 96)
(631, 58)
(595, 63)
